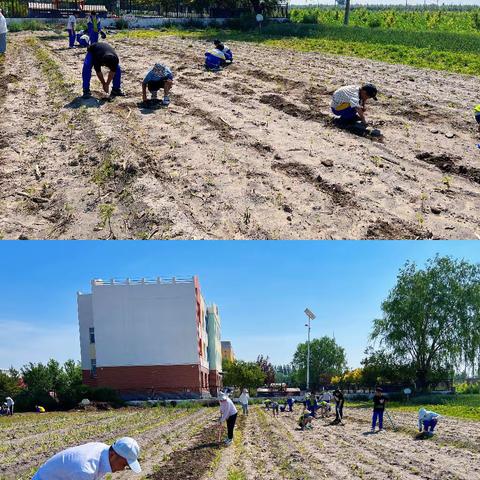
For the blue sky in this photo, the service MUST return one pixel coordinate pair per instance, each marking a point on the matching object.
(262, 288)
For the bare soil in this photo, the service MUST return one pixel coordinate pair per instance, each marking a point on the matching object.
(248, 153)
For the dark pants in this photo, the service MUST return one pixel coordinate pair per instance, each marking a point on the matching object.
(349, 113)
(93, 37)
(10, 410)
(429, 425)
(155, 85)
(377, 414)
(339, 411)
(71, 38)
(290, 405)
(231, 425)
(87, 74)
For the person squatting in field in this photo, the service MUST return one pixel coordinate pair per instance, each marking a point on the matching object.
(290, 402)
(275, 408)
(378, 409)
(102, 55)
(228, 413)
(160, 76)
(311, 404)
(94, 28)
(305, 420)
(427, 421)
(243, 399)
(339, 402)
(218, 57)
(349, 103)
(71, 24)
(91, 461)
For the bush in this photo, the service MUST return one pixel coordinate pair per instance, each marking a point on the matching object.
(467, 388)
(28, 25)
(121, 24)
(244, 22)
(374, 23)
(26, 401)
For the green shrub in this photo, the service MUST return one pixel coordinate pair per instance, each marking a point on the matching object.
(467, 388)
(374, 23)
(28, 25)
(121, 24)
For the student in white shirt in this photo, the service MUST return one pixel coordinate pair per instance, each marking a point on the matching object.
(228, 413)
(71, 24)
(243, 399)
(10, 403)
(348, 102)
(3, 33)
(91, 461)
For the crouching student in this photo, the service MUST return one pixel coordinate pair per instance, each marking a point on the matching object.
(83, 39)
(305, 420)
(349, 102)
(228, 413)
(214, 59)
(158, 77)
(102, 55)
(476, 112)
(226, 51)
(427, 421)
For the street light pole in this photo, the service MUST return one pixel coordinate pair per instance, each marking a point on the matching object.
(310, 316)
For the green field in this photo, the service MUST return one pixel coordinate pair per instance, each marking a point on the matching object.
(460, 406)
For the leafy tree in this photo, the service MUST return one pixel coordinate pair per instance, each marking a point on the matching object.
(9, 385)
(267, 368)
(243, 374)
(327, 359)
(431, 318)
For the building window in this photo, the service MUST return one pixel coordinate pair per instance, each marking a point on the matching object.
(93, 368)
(91, 332)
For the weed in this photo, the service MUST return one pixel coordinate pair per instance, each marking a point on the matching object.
(106, 211)
(247, 217)
(447, 181)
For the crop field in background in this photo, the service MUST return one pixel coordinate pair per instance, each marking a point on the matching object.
(180, 444)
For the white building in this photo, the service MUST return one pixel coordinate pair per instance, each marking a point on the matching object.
(145, 337)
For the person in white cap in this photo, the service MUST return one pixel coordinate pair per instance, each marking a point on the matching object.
(243, 399)
(10, 403)
(91, 461)
(228, 413)
(427, 421)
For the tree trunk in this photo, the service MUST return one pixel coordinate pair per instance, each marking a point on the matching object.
(346, 18)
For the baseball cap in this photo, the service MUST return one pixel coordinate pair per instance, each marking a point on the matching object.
(222, 397)
(128, 448)
(371, 90)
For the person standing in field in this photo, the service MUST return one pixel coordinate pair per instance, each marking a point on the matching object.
(3, 33)
(243, 399)
(228, 413)
(71, 24)
(94, 26)
(290, 402)
(91, 461)
(10, 404)
(378, 409)
(427, 421)
(102, 55)
(339, 401)
(349, 103)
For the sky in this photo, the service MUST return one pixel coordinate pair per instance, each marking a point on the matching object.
(262, 289)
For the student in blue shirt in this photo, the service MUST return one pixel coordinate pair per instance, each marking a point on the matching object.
(83, 39)
(160, 76)
(94, 26)
(91, 461)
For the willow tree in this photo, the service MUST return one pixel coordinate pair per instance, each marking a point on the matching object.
(431, 318)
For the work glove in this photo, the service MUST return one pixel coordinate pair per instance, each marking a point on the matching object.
(103, 35)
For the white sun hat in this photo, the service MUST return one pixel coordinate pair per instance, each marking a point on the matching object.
(128, 448)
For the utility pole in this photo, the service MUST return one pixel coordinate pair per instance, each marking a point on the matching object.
(310, 316)
(346, 18)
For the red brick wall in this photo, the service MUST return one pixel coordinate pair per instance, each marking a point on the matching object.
(87, 379)
(159, 378)
(215, 382)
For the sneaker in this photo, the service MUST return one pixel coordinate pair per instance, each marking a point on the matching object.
(87, 94)
(154, 95)
(166, 100)
(228, 441)
(116, 92)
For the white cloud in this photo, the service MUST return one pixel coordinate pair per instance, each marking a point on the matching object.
(23, 342)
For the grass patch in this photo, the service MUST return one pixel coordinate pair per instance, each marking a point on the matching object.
(28, 25)
(459, 406)
(49, 67)
(453, 52)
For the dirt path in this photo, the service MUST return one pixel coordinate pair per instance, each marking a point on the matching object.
(248, 153)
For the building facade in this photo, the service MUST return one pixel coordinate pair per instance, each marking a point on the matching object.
(214, 349)
(146, 338)
(227, 352)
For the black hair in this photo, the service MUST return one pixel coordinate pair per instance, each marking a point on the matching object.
(111, 61)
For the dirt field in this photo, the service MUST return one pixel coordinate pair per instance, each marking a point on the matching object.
(181, 444)
(250, 152)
